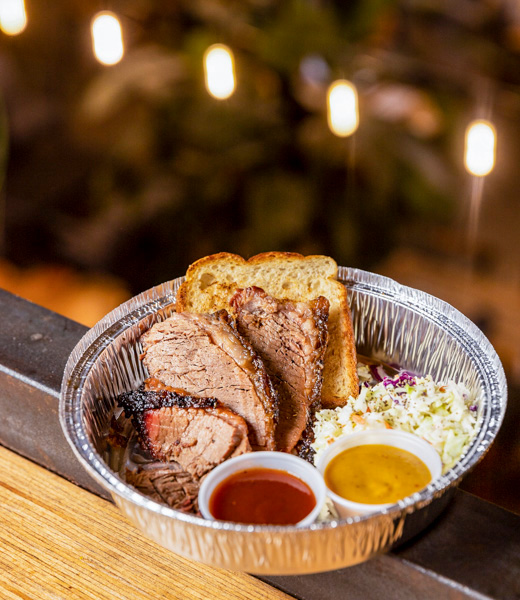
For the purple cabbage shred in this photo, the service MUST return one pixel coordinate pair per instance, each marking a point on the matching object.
(403, 379)
(374, 369)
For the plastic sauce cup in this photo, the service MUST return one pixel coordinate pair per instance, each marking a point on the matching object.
(280, 461)
(388, 437)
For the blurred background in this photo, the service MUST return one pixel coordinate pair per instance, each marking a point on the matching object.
(127, 152)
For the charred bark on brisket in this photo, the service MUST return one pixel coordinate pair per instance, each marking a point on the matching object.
(137, 402)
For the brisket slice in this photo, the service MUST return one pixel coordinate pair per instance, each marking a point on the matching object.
(168, 484)
(204, 355)
(197, 433)
(291, 339)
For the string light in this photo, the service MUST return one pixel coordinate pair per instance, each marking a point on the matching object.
(107, 38)
(480, 148)
(342, 108)
(13, 18)
(219, 71)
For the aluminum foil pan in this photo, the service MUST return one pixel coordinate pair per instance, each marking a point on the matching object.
(393, 323)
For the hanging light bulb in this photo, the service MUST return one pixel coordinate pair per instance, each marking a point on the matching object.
(13, 18)
(342, 108)
(107, 38)
(480, 148)
(219, 71)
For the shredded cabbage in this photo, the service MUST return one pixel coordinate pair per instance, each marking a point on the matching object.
(444, 414)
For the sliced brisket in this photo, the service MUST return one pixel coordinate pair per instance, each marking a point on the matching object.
(291, 339)
(205, 356)
(195, 432)
(168, 484)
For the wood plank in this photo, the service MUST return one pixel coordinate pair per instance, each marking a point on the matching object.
(34, 346)
(59, 541)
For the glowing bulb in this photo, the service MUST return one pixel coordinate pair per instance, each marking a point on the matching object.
(479, 155)
(342, 105)
(107, 38)
(13, 18)
(219, 71)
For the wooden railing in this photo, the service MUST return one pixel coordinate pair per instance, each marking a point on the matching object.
(471, 551)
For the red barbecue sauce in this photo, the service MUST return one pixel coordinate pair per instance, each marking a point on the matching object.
(262, 497)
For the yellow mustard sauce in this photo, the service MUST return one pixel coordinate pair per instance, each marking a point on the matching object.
(376, 474)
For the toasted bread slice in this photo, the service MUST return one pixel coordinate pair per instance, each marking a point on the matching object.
(211, 282)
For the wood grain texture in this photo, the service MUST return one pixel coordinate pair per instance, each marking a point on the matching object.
(58, 541)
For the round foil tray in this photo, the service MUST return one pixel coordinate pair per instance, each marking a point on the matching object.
(392, 323)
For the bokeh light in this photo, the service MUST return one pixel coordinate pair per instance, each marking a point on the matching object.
(480, 148)
(342, 108)
(13, 18)
(219, 71)
(107, 38)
